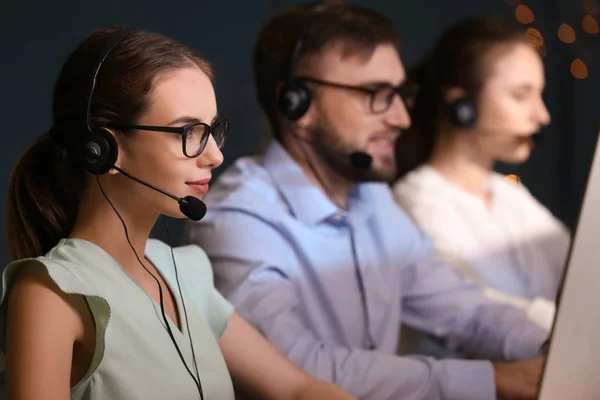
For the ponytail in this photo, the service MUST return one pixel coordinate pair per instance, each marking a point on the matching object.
(43, 199)
(415, 145)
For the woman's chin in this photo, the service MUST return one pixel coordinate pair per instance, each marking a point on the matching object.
(520, 155)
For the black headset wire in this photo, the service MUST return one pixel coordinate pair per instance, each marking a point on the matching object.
(113, 40)
(294, 60)
(181, 296)
(290, 83)
(361, 286)
(160, 292)
(316, 173)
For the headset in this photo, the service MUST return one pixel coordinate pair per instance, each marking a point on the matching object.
(295, 98)
(293, 102)
(462, 112)
(101, 150)
(100, 155)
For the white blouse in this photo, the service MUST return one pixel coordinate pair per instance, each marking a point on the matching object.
(514, 247)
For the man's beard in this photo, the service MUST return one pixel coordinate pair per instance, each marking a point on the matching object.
(336, 157)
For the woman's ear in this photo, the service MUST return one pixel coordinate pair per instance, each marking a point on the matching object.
(454, 93)
(307, 119)
(115, 147)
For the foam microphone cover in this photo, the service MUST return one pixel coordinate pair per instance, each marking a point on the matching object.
(361, 160)
(193, 208)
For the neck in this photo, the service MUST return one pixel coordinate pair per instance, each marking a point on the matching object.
(458, 161)
(332, 184)
(98, 223)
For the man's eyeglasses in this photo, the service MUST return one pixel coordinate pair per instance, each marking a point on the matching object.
(194, 136)
(381, 97)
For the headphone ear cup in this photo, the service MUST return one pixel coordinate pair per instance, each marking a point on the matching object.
(462, 113)
(294, 101)
(101, 152)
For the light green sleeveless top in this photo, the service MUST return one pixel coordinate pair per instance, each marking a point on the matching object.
(134, 357)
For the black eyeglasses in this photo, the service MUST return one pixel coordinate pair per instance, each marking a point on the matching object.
(194, 136)
(381, 97)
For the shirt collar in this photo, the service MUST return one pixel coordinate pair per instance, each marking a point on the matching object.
(305, 200)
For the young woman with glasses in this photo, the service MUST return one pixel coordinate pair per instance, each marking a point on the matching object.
(92, 308)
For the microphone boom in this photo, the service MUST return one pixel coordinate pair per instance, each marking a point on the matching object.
(192, 207)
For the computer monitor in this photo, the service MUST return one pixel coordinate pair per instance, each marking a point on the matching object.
(572, 367)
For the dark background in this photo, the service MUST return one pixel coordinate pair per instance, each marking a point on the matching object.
(37, 36)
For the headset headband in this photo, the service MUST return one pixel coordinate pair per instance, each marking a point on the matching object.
(111, 41)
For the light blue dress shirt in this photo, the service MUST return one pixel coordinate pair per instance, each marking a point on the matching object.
(282, 253)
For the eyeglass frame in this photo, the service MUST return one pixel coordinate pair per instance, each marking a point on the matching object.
(372, 92)
(181, 130)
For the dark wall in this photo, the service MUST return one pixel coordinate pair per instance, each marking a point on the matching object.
(36, 37)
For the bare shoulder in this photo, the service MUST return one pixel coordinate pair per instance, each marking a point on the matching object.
(35, 296)
(42, 325)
